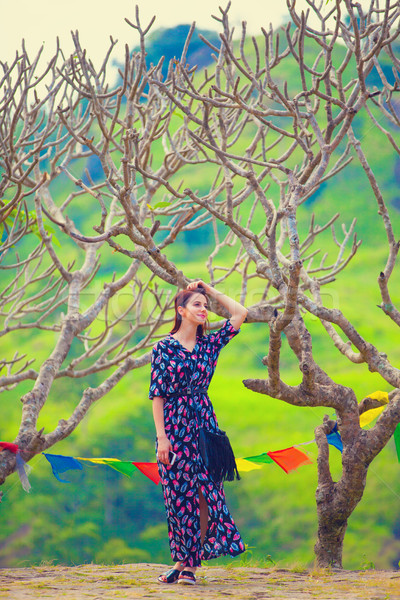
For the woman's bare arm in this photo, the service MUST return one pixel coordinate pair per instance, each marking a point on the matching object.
(164, 445)
(237, 311)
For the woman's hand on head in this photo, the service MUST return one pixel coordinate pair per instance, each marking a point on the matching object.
(163, 449)
(199, 283)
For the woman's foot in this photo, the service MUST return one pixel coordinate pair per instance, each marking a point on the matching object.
(170, 576)
(187, 576)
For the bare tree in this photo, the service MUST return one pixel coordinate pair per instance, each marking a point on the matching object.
(75, 157)
(269, 143)
(52, 124)
(275, 141)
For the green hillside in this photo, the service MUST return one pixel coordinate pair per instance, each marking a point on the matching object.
(104, 517)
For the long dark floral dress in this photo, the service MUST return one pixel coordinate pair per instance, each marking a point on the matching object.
(182, 480)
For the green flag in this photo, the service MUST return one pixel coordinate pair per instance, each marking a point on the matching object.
(124, 467)
(397, 440)
(260, 458)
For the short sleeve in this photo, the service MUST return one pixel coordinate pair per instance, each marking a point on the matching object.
(222, 336)
(158, 375)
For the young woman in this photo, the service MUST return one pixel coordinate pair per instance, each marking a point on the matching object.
(199, 524)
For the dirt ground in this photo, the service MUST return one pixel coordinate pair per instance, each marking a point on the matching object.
(96, 582)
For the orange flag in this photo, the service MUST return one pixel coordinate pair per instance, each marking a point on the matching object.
(290, 459)
(149, 469)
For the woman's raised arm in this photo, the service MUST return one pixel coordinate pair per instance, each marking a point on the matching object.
(238, 311)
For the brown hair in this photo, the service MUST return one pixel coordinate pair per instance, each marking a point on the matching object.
(181, 299)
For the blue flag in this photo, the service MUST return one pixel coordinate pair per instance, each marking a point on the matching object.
(334, 439)
(60, 464)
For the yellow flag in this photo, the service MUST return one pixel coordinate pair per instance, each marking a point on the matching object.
(99, 461)
(382, 396)
(370, 415)
(244, 465)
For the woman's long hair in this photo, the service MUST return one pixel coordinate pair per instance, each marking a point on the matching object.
(181, 299)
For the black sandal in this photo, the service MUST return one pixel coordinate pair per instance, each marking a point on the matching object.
(187, 577)
(171, 576)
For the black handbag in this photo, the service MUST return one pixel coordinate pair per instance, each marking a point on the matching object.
(217, 454)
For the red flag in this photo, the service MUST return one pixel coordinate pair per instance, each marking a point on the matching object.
(148, 469)
(9, 446)
(290, 459)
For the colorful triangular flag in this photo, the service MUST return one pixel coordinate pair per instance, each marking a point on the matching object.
(335, 439)
(290, 459)
(60, 464)
(149, 469)
(396, 436)
(244, 465)
(260, 458)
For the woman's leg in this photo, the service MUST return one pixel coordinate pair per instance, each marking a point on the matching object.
(203, 527)
(203, 516)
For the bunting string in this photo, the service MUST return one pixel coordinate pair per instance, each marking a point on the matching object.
(288, 459)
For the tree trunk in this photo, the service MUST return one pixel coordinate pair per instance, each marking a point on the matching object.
(335, 504)
(329, 545)
(336, 501)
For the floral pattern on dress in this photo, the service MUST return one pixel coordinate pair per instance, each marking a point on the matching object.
(170, 363)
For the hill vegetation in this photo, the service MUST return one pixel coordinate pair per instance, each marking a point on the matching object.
(104, 517)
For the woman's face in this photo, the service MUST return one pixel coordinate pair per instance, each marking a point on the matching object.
(195, 310)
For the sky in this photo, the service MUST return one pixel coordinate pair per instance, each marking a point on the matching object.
(39, 21)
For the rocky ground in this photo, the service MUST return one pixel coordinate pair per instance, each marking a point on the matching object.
(140, 581)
